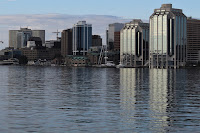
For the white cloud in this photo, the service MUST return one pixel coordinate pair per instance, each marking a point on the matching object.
(52, 22)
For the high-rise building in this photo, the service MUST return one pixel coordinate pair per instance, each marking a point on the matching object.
(112, 28)
(117, 41)
(22, 37)
(82, 38)
(134, 43)
(96, 40)
(19, 38)
(193, 38)
(168, 37)
(39, 33)
(66, 42)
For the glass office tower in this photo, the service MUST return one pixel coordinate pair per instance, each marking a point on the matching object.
(82, 38)
(168, 38)
(134, 44)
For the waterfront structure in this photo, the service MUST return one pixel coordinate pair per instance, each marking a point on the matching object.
(19, 38)
(76, 60)
(168, 38)
(93, 55)
(96, 40)
(36, 53)
(82, 38)
(193, 39)
(8, 53)
(66, 42)
(134, 44)
(110, 34)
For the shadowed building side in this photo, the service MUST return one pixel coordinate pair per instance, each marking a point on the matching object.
(66, 42)
(96, 40)
(193, 39)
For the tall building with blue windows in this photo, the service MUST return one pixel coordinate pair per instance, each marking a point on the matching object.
(82, 38)
(134, 44)
(168, 38)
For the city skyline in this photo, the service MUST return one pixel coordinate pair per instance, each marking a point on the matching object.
(50, 19)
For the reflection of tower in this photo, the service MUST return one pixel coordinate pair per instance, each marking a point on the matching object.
(127, 94)
(161, 84)
(133, 94)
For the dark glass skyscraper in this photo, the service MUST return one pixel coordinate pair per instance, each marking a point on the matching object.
(82, 38)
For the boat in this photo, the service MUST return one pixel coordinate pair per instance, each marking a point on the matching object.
(120, 66)
(12, 61)
(109, 64)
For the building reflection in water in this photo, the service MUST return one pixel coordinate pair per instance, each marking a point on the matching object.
(134, 98)
(127, 94)
(162, 84)
(147, 98)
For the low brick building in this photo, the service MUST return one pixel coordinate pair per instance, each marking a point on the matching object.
(40, 53)
(74, 60)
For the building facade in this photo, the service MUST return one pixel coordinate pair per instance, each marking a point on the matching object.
(193, 39)
(77, 61)
(82, 38)
(134, 44)
(96, 40)
(34, 54)
(117, 41)
(168, 38)
(39, 33)
(19, 38)
(110, 34)
(66, 42)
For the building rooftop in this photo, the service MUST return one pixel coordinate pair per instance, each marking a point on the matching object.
(167, 7)
(81, 23)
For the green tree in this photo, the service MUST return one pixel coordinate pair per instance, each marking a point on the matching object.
(23, 60)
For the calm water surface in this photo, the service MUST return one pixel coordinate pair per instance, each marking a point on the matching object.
(60, 99)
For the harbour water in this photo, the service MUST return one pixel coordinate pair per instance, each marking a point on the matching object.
(61, 99)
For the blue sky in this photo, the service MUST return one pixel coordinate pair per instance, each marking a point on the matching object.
(51, 15)
(122, 8)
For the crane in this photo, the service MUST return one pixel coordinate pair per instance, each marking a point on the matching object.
(57, 32)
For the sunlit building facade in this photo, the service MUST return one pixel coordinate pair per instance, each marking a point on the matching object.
(134, 44)
(168, 38)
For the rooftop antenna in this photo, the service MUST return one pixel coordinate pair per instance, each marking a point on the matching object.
(57, 32)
